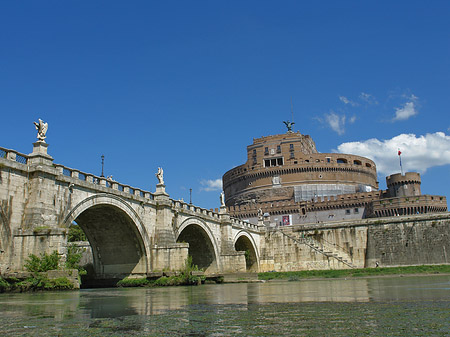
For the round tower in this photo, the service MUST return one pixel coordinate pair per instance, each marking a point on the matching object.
(288, 167)
(406, 185)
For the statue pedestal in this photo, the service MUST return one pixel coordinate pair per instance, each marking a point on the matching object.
(39, 156)
(160, 193)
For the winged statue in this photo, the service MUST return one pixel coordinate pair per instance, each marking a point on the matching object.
(42, 130)
(289, 125)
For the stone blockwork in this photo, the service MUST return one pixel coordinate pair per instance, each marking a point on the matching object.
(395, 241)
(412, 240)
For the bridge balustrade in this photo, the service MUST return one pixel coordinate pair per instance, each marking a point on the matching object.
(102, 181)
(13, 155)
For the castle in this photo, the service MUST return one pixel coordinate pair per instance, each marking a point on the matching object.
(286, 181)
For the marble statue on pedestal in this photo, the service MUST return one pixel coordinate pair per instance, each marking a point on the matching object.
(42, 130)
(160, 176)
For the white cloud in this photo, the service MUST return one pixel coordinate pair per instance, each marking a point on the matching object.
(368, 98)
(336, 122)
(345, 100)
(419, 153)
(211, 185)
(406, 111)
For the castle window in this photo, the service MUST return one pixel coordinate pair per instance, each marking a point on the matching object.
(291, 147)
(347, 211)
(254, 152)
(356, 211)
(278, 148)
(292, 156)
(368, 165)
(328, 160)
(266, 150)
(341, 161)
(273, 162)
(356, 162)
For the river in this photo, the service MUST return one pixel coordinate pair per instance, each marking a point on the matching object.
(387, 306)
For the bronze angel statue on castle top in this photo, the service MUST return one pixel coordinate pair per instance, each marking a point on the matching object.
(289, 125)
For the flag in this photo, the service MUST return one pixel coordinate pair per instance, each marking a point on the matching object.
(399, 152)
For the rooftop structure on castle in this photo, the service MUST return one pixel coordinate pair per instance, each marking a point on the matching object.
(289, 181)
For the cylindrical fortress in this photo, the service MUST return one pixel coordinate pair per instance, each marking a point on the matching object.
(406, 185)
(287, 167)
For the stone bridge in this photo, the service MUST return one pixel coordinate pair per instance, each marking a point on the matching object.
(131, 231)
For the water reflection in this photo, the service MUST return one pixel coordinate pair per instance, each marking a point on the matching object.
(235, 308)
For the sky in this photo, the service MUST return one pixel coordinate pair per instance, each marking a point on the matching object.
(187, 85)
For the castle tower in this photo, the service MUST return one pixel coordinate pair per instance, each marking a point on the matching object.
(406, 185)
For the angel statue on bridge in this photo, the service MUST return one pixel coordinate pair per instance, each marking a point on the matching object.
(42, 130)
(160, 176)
(222, 199)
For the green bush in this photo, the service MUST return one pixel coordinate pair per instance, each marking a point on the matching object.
(133, 282)
(41, 282)
(45, 263)
(73, 259)
(76, 234)
(4, 285)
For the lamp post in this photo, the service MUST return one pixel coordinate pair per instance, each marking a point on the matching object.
(103, 164)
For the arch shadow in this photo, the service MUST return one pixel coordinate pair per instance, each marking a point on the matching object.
(203, 248)
(243, 241)
(118, 238)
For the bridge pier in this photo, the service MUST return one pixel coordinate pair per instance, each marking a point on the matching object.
(232, 261)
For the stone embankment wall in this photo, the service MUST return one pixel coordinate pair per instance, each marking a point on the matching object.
(395, 241)
(413, 240)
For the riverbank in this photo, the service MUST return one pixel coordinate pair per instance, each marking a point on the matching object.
(364, 272)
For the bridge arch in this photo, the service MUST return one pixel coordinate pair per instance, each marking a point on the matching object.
(243, 241)
(118, 238)
(203, 247)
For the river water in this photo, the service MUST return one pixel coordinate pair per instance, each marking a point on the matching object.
(388, 306)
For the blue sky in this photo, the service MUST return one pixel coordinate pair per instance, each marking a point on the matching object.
(188, 85)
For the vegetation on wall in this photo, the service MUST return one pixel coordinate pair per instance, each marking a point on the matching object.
(73, 259)
(38, 266)
(76, 234)
(38, 281)
(43, 263)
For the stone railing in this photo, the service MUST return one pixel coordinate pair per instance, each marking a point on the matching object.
(244, 224)
(102, 181)
(195, 210)
(13, 155)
